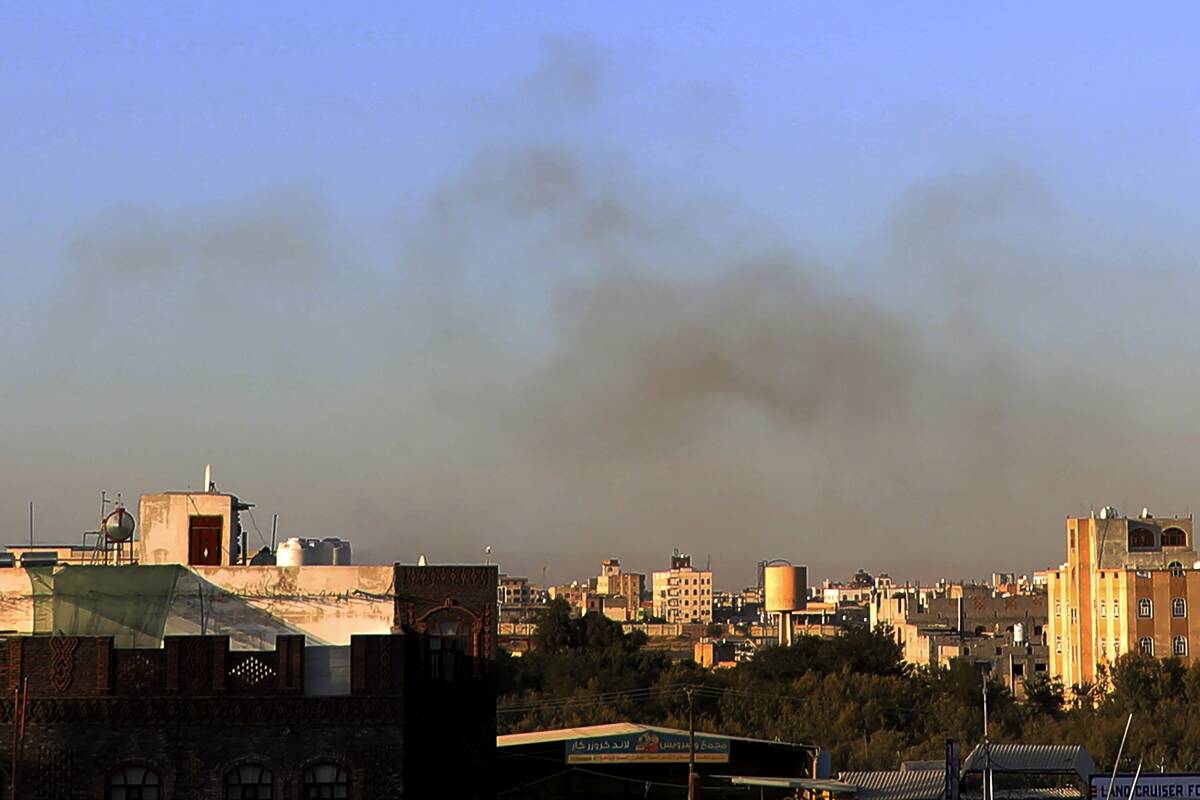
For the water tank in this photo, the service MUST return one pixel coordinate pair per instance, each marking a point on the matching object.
(118, 526)
(7, 560)
(263, 558)
(290, 553)
(317, 553)
(39, 558)
(786, 587)
(1018, 633)
(341, 554)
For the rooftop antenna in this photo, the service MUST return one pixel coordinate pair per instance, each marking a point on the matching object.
(274, 529)
(31, 523)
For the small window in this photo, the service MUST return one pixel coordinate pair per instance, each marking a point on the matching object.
(1058, 608)
(1179, 646)
(1176, 569)
(1116, 647)
(323, 781)
(1057, 644)
(1103, 609)
(1145, 608)
(1146, 645)
(1174, 537)
(1104, 648)
(133, 783)
(1116, 608)
(249, 782)
(1179, 607)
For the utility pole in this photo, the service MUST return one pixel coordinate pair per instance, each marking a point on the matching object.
(1117, 762)
(691, 781)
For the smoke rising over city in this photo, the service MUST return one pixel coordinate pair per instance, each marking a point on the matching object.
(563, 355)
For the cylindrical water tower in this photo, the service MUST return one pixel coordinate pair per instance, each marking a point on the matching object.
(786, 588)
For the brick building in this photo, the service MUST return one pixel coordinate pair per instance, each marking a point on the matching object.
(405, 714)
(1126, 584)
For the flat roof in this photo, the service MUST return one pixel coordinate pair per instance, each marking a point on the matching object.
(791, 783)
(618, 729)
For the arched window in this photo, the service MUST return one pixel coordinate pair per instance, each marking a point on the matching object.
(1141, 539)
(249, 782)
(133, 783)
(1145, 608)
(1174, 537)
(1179, 607)
(448, 639)
(323, 781)
(1176, 568)
(1146, 645)
(1179, 645)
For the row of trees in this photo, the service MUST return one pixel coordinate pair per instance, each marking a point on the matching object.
(853, 695)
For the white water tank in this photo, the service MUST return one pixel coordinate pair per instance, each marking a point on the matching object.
(1018, 633)
(290, 553)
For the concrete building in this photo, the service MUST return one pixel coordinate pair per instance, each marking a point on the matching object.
(513, 591)
(615, 582)
(1004, 632)
(1126, 583)
(683, 593)
(407, 713)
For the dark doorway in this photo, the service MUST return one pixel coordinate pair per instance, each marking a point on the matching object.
(204, 541)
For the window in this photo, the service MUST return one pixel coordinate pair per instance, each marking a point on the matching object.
(133, 783)
(1141, 539)
(1176, 569)
(1179, 646)
(1057, 644)
(1146, 645)
(1116, 608)
(326, 781)
(1116, 647)
(1145, 608)
(1104, 647)
(1179, 607)
(1174, 537)
(1102, 608)
(249, 782)
(1058, 608)
(449, 643)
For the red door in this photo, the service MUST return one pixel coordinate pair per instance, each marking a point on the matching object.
(204, 541)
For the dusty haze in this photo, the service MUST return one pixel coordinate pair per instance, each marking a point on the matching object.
(567, 360)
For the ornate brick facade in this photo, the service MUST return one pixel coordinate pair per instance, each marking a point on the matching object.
(194, 712)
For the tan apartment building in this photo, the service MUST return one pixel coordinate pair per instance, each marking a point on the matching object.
(683, 593)
(1127, 583)
(614, 581)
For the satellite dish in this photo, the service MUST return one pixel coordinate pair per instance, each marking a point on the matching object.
(118, 525)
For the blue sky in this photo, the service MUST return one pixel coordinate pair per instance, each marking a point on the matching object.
(817, 116)
(804, 127)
